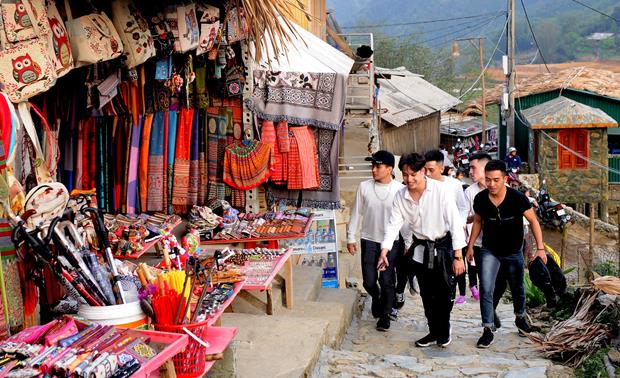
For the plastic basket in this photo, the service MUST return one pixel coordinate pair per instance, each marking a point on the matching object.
(191, 362)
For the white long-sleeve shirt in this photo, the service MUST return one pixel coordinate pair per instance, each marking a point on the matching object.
(431, 218)
(470, 194)
(372, 206)
(459, 194)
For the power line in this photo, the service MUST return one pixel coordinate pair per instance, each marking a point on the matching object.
(488, 63)
(426, 31)
(595, 10)
(527, 18)
(417, 22)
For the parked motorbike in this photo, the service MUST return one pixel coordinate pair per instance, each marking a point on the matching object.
(550, 213)
(461, 158)
(513, 178)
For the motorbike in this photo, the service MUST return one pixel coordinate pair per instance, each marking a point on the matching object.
(461, 158)
(513, 178)
(551, 214)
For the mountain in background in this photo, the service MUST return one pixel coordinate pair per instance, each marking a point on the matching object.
(562, 27)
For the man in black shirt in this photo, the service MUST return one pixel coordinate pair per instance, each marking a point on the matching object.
(499, 212)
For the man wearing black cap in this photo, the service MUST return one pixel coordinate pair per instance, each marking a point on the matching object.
(373, 202)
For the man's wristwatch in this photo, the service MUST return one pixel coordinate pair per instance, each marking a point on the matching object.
(458, 258)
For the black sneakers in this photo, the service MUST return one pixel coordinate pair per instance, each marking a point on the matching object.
(496, 322)
(400, 300)
(427, 340)
(486, 339)
(383, 324)
(444, 342)
(524, 327)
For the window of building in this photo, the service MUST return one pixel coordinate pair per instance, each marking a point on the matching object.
(576, 140)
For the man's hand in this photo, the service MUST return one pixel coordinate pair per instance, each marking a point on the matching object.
(383, 260)
(470, 254)
(458, 266)
(542, 254)
(352, 248)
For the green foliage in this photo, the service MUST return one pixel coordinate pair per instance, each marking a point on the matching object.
(533, 295)
(593, 366)
(607, 268)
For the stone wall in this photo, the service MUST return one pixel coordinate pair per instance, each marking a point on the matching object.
(575, 185)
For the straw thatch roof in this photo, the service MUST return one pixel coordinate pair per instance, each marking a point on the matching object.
(270, 19)
(601, 82)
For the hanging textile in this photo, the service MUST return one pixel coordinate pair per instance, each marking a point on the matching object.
(202, 159)
(75, 171)
(212, 150)
(134, 156)
(155, 195)
(282, 136)
(302, 98)
(164, 164)
(172, 139)
(324, 142)
(237, 197)
(181, 161)
(320, 199)
(89, 149)
(303, 169)
(144, 160)
(247, 164)
(194, 171)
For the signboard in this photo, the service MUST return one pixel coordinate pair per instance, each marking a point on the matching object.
(320, 246)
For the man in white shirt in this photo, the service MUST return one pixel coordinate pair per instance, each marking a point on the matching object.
(477, 162)
(372, 205)
(428, 208)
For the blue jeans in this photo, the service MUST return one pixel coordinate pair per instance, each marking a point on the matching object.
(495, 271)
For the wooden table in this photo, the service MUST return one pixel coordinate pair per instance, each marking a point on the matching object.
(282, 272)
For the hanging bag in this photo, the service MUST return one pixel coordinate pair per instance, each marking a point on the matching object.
(134, 32)
(93, 38)
(48, 199)
(27, 66)
(59, 40)
(187, 27)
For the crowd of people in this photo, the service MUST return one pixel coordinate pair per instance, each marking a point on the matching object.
(432, 232)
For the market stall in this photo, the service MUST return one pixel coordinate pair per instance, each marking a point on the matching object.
(126, 123)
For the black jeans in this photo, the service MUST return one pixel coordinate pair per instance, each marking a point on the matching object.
(548, 278)
(404, 267)
(383, 290)
(437, 294)
(472, 273)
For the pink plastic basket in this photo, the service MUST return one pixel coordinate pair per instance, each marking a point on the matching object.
(191, 362)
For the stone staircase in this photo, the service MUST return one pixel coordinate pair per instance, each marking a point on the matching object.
(367, 352)
(288, 343)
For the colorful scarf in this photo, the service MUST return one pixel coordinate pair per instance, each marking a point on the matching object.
(202, 159)
(144, 161)
(194, 170)
(237, 197)
(164, 163)
(212, 160)
(301, 98)
(134, 156)
(277, 195)
(181, 161)
(303, 167)
(155, 194)
(247, 164)
(172, 139)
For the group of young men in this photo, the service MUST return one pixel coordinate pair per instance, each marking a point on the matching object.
(429, 227)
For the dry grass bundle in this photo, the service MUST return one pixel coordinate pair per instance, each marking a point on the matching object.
(608, 284)
(577, 338)
(263, 17)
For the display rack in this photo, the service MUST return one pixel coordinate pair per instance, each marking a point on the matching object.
(146, 246)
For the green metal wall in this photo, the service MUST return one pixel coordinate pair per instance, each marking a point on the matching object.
(614, 163)
(609, 105)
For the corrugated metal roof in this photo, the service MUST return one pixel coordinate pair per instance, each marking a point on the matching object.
(562, 112)
(406, 96)
(462, 126)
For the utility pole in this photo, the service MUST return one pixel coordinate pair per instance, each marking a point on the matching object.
(510, 77)
(480, 48)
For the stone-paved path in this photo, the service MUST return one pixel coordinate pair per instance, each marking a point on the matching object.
(366, 352)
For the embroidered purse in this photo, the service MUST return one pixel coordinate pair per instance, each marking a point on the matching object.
(134, 32)
(59, 40)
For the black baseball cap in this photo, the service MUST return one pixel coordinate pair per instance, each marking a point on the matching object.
(382, 157)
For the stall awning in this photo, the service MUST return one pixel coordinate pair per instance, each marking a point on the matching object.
(304, 52)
